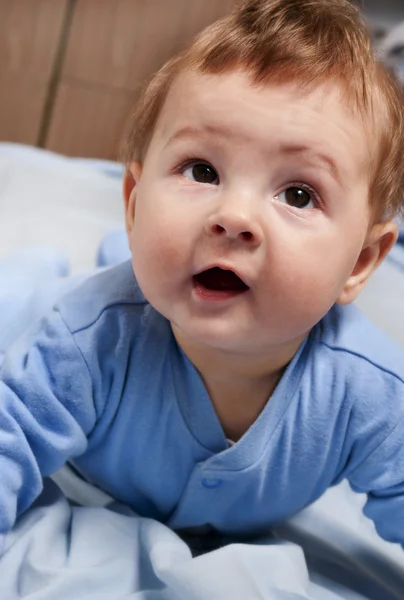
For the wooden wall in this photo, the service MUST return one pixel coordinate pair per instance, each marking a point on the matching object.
(71, 69)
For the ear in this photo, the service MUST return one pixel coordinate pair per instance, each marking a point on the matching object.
(130, 180)
(379, 241)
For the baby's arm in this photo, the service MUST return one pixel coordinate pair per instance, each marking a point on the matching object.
(46, 413)
(380, 473)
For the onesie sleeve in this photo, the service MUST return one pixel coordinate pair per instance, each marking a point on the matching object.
(377, 458)
(46, 413)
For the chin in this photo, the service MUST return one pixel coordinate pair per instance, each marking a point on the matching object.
(218, 338)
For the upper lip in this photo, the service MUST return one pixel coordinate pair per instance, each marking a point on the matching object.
(225, 267)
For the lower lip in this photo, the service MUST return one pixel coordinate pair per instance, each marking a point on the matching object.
(207, 295)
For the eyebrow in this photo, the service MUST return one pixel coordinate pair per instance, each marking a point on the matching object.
(191, 132)
(323, 160)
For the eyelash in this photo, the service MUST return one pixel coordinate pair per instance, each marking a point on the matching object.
(307, 188)
(191, 160)
(304, 186)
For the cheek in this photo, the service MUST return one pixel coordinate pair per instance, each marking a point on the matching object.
(308, 274)
(157, 242)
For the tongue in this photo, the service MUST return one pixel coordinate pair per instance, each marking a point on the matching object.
(221, 280)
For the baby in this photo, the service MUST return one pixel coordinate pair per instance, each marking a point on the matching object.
(221, 381)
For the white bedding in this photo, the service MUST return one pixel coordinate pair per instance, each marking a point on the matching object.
(66, 204)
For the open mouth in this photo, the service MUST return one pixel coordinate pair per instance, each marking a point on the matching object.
(219, 281)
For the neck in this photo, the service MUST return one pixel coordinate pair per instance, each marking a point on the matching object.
(239, 384)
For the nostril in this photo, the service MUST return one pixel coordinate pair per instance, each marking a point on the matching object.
(218, 229)
(232, 232)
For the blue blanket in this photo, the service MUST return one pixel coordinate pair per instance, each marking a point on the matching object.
(76, 543)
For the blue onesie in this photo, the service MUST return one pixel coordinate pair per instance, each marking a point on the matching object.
(102, 382)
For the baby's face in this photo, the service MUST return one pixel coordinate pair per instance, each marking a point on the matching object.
(250, 210)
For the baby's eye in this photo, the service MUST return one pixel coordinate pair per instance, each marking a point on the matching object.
(201, 172)
(298, 197)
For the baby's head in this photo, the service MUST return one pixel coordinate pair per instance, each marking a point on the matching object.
(264, 165)
(310, 42)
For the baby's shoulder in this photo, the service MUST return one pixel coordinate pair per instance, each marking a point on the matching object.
(107, 294)
(347, 335)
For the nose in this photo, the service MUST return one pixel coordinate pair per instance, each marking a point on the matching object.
(235, 224)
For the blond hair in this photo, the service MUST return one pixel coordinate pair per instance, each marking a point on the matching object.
(312, 42)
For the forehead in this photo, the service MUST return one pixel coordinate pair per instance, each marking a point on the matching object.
(231, 107)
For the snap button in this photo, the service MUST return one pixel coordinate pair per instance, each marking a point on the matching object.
(210, 482)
